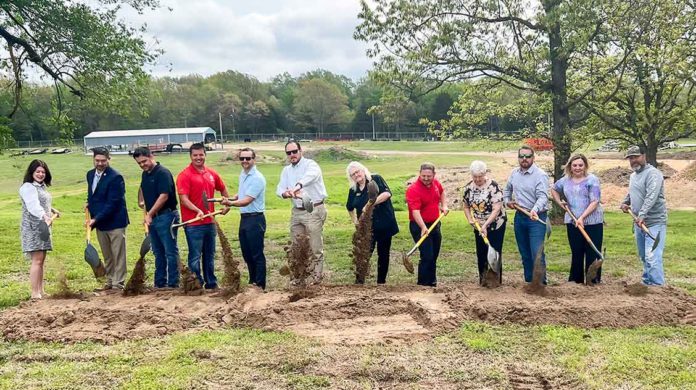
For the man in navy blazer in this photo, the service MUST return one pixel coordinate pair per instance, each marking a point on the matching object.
(106, 200)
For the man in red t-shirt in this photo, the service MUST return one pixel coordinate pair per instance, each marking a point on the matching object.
(426, 199)
(200, 235)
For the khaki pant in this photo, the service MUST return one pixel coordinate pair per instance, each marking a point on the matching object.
(312, 224)
(113, 247)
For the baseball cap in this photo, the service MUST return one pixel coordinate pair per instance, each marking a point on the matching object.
(633, 150)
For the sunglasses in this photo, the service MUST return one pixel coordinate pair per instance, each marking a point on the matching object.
(246, 158)
(525, 155)
(289, 152)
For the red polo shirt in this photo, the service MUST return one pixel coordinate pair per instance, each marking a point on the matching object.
(425, 199)
(192, 183)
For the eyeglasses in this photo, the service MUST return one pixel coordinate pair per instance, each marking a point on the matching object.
(525, 155)
(356, 173)
(289, 152)
(245, 158)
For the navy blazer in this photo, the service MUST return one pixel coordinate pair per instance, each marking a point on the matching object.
(107, 205)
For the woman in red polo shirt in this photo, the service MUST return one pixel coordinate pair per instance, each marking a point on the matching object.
(426, 199)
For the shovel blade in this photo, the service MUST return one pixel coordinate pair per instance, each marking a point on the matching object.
(656, 241)
(493, 260)
(44, 231)
(92, 258)
(548, 228)
(145, 246)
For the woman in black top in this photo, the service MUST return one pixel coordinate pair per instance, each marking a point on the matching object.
(383, 219)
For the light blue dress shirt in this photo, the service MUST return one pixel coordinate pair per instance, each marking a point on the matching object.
(252, 184)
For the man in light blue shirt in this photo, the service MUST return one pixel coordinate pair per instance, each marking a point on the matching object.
(529, 185)
(251, 201)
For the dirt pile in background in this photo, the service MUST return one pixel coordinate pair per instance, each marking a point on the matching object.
(689, 173)
(345, 314)
(335, 153)
(618, 176)
(453, 180)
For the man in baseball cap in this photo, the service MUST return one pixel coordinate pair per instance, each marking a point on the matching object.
(646, 198)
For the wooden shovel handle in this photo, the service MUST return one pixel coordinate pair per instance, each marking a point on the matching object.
(214, 213)
(87, 227)
(147, 227)
(572, 216)
(527, 213)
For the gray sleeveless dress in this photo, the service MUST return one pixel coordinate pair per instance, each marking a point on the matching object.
(29, 226)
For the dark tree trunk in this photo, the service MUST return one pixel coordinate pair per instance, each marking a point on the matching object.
(560, 134)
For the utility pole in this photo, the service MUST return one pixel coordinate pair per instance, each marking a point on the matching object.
(222, 138)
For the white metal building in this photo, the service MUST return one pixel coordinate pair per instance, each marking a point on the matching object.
(127, 140)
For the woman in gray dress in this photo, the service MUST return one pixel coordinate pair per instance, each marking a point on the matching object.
(36, 211)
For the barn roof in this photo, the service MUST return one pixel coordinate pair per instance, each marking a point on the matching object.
(146, 132)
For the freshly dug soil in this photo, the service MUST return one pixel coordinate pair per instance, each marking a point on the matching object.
(345, 314)
(231, 280)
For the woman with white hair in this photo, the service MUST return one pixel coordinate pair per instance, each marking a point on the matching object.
(384, 225)
(483, 203)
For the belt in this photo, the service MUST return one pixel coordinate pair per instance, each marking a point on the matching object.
(256, 214)
(321, 202)
(163, 212)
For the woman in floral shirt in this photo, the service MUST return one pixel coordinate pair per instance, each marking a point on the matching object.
(483, 202)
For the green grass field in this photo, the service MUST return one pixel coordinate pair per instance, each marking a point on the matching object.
(474, 356)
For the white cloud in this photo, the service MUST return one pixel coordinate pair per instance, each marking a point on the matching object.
(262, 38)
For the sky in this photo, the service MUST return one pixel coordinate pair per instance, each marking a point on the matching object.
(262, 38)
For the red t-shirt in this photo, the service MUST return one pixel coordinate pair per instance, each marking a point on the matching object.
(425, 199)
(192, 183)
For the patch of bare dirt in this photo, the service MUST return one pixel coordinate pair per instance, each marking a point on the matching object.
(345, 314)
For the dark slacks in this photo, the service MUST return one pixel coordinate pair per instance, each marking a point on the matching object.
(495, 237)
(382, 240)
(252, 229)
(429, 251)
(582, 255)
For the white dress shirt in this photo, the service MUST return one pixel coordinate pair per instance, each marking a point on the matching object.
(30, 196)
(307, 173)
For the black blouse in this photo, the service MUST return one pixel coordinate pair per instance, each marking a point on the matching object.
(383, 218)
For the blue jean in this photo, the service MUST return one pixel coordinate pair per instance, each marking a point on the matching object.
(530, 239)
(653, 272)
(165, 249)
(201, 244)
(252, 229)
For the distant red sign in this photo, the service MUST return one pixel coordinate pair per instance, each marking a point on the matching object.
(539, 144)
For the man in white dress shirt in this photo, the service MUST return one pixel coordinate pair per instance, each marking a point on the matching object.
(302, 177)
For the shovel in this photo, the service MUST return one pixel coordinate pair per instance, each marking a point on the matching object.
(493, 255)
(145, 246)
(656, 240)
(597, 264)
(91, 255)
(44, 229)
(178, 225)
(407, 263)
(207, 200)
(528, 214)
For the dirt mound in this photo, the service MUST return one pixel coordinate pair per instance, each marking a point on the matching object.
(335, 153)
(620, 175)
(617, 175)
(345, 314)
(689, 173)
